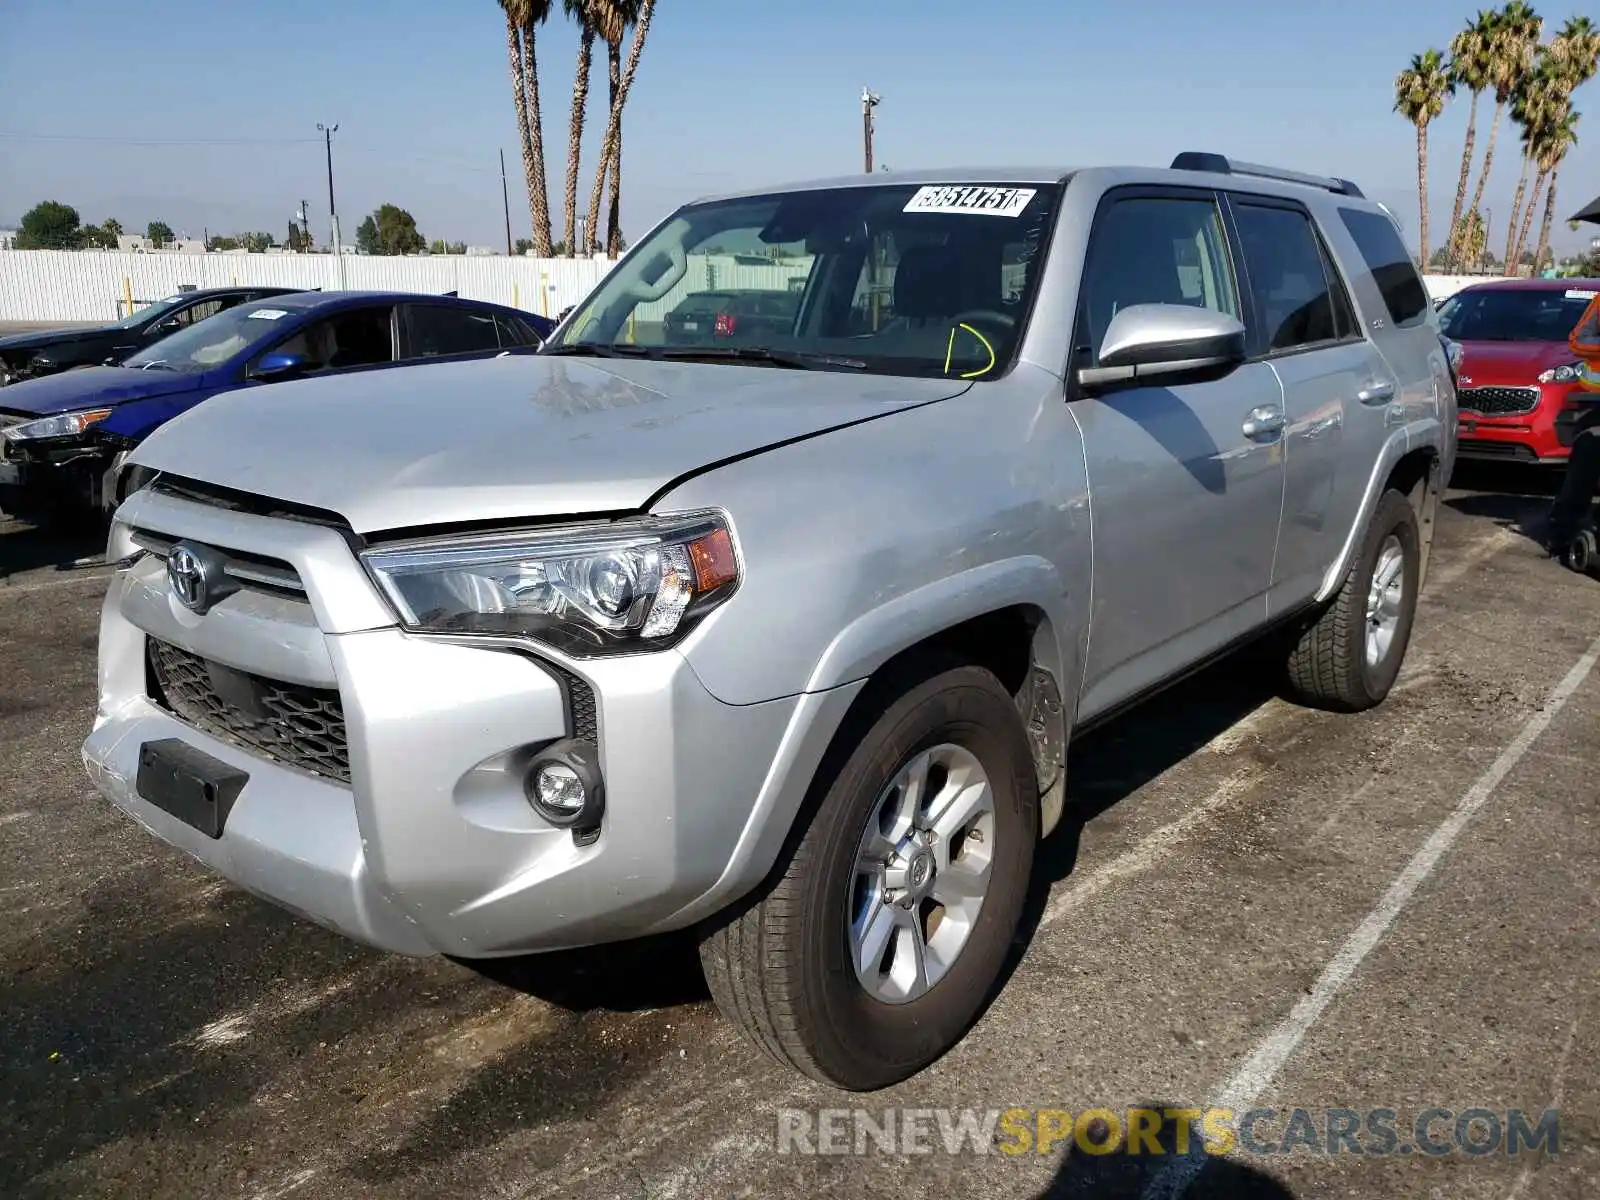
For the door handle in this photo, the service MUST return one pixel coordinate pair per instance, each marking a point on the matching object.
(1380, 391)
(1265, 421)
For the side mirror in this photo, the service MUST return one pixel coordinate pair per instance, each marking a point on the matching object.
(165, 328)
(278, 364)
(1149, 343)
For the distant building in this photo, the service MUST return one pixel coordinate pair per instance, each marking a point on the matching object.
(143, 245)
(481, 251)
(8, 239)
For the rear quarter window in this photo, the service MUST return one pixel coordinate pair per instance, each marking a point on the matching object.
(1386, 257)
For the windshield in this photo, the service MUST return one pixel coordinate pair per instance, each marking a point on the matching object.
(1513, 314)
(903, 279)
(207, 343)
(150, 311)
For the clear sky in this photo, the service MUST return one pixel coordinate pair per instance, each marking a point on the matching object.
(204, 114)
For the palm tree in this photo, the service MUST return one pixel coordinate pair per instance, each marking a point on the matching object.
(1419, 95)
(581, 12)
(640, 13)
(1575, 51)
(1570, 60)
(1516, 36)
(1471, 239)
(523, 17)
(612, 19)
(1538, 97)
(1559, 137)
(1469, 69)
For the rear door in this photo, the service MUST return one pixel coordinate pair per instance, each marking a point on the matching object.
(1410, 375)
(1304, 327)
(1184, 501)
(448, 331)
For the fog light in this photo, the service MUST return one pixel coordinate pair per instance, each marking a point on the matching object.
(560, 790)
(564, 785)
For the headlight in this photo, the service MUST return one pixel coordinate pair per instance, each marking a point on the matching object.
(633, 585)
(60, 425)
(1566, 373)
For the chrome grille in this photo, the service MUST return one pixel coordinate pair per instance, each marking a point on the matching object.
(253, 569)
(290, 723)
(1498, 401)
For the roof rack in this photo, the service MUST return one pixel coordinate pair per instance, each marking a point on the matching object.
(1220, 164)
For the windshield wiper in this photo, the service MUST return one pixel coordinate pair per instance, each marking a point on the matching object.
(155, 362)
(601, 350)
(801, 359)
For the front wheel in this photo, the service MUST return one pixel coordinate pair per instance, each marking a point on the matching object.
(1348, 660)
(890, 923)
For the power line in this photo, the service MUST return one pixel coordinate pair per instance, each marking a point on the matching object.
(132, 141)
(392, 154)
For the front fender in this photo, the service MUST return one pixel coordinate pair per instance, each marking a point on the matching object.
(841, 674)
(136, 420)
(876, 636)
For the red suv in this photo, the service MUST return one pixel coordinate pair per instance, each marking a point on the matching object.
(1519, 397)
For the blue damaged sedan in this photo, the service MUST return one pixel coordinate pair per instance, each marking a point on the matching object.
(63, 437)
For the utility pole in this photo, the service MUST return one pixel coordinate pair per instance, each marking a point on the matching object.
(505, 198)
(869, 101)
(333, 213)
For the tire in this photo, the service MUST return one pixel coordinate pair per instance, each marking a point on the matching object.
(783, 969)
(1329, 666)
(1581, 554)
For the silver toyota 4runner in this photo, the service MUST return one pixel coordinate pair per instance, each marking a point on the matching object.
(778, 631)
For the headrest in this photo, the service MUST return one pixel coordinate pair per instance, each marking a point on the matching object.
(928, 283)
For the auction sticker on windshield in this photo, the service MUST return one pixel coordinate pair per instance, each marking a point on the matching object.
(268, 314)
(975, 201)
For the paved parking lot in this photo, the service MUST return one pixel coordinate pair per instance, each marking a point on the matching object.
(1251, 905)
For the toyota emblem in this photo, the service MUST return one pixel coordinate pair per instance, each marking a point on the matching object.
(188, 577)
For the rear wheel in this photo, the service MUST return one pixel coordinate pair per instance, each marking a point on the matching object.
(1582, 554)
(888, 927)
(1349, 659)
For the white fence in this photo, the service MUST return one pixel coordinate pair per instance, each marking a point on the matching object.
(94, 285)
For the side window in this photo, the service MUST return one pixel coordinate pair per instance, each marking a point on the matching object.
(515, 332)
(357, 338)
(1297, 302)
(438, 330)
(1404, 293)
(199, 312)
(1155, 250)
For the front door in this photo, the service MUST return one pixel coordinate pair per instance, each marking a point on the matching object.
(1186, 482)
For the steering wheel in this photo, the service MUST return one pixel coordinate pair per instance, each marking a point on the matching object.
(993, 315)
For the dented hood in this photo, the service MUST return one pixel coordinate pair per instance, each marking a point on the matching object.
(504, 438)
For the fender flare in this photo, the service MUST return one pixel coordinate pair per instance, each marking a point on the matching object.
(1419, 435)
(877, 635)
